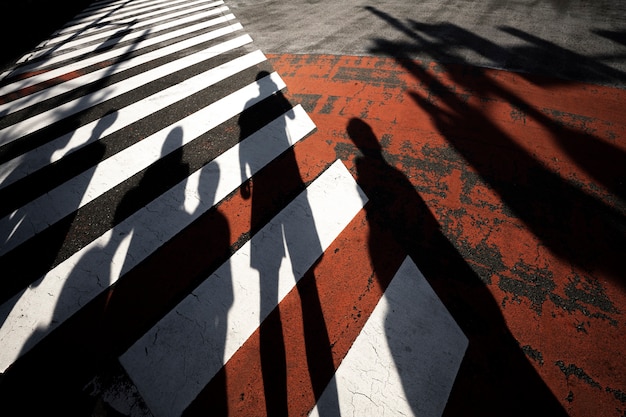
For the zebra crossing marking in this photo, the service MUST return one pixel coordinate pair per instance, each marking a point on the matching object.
(28, 314)
(77, 47)
(170, 382)
(61, 201)
(23, 102)
(143, 11)
(56, 149)
(410, 349)
(41, 120)
(75, 66)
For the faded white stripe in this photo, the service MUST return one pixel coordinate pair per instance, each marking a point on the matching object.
(404, 361)
(78, 82)
(75, 53)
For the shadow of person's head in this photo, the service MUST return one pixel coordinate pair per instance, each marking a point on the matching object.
(364, 138)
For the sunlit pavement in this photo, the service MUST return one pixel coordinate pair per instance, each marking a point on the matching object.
(504, 189)
(524, 176)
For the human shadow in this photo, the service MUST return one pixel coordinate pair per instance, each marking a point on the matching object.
(15, 287)
(54, 219)
(574, 224)
(396, 213)
(90, 345)
(183, 266)
(43, 227)
(449, 44)
(581, 228)
(92, 274)
(268, 191)
(19, 266)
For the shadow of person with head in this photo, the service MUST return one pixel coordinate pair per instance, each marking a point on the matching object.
(570, 220)
(79, 356)
(398, 215)
(270, 190)
(190, 346)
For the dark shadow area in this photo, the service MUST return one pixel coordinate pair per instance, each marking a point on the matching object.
(292, 239)
(448, 43)
(59, 371)
(27, 23)
(395, 210)
(575, 225)
(19, 267)
(618, 36)
(96, 265)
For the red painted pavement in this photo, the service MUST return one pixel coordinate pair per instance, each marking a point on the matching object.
(508, 192)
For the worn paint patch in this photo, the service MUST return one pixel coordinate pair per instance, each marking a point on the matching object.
(524, 178)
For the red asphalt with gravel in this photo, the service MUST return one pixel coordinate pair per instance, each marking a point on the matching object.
(518, 183)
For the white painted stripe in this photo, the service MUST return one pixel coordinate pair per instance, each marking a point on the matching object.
(25, 222)
(73, 48)
(118, 15)
(109, 8)
(41, 120)
(44, 45)
(78, 82)
(95, 9)
(173, 361)
(69, 286)
(89, 22)
(109, 54)
(102, 5)
(56, 47)
(94, 13)
(105, 4)
(405, 359)
(62, 146)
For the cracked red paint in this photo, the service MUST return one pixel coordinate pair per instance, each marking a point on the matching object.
(525, 177)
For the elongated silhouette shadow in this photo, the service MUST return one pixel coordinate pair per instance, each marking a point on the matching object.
(581, 228)
(543, 200)
(448, 43)
(54, 217)
(483, 386)
(264, 192)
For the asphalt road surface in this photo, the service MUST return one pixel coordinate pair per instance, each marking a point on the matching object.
(313, 208)
(568, 39)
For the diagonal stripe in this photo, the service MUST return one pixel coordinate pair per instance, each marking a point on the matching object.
(108, 55)
(41, 120)
(80, 81)
(405, 359)
(28, 315)
(23, 165)
(90, 22)
(142, 11)
(36, 216)
(72, 48)
(170, 382)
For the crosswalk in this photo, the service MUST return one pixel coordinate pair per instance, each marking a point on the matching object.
(153, 210)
